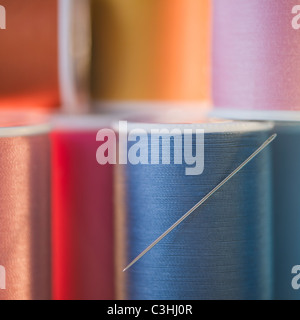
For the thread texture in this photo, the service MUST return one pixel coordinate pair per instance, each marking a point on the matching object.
(286, 209)
(256, 63)
(53, 68)
(25, 216)
(222, 251)
(155, 50)
(83, 262)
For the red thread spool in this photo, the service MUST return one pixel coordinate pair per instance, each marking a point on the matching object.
(83, 243)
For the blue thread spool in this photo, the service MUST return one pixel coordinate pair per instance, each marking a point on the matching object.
(222, 251)
(286, 208)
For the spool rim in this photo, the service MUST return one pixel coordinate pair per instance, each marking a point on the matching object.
(64, 122)
(220, 126)
(257, 115)
(23, 123)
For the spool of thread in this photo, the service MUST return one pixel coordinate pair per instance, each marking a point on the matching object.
(286, 209)
(256, 71)
(256, 65)
(154, 50)
(222, 251)
(44, 56)
(24, 207)
(83, 241)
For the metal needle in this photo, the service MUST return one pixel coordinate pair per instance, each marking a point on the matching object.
(254, 154)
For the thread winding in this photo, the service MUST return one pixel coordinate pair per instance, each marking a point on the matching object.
(83, 241)
(223, 251)
(52, 70)
(25, 209)
(256, 65)
(286, 209)
(155, 50)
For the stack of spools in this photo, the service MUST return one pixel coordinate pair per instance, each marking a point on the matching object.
(256, 73)
(151, 64)
(44, 62)
(156, 56)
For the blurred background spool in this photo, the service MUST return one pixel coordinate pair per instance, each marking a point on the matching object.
(223, 251)
(25, 206)
(256, 60)
(256, 73)
(286, 208)
(44, 56)
(150, 50)
(83, 237)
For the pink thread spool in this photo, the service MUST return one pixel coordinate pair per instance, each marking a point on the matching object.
(256, 60)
